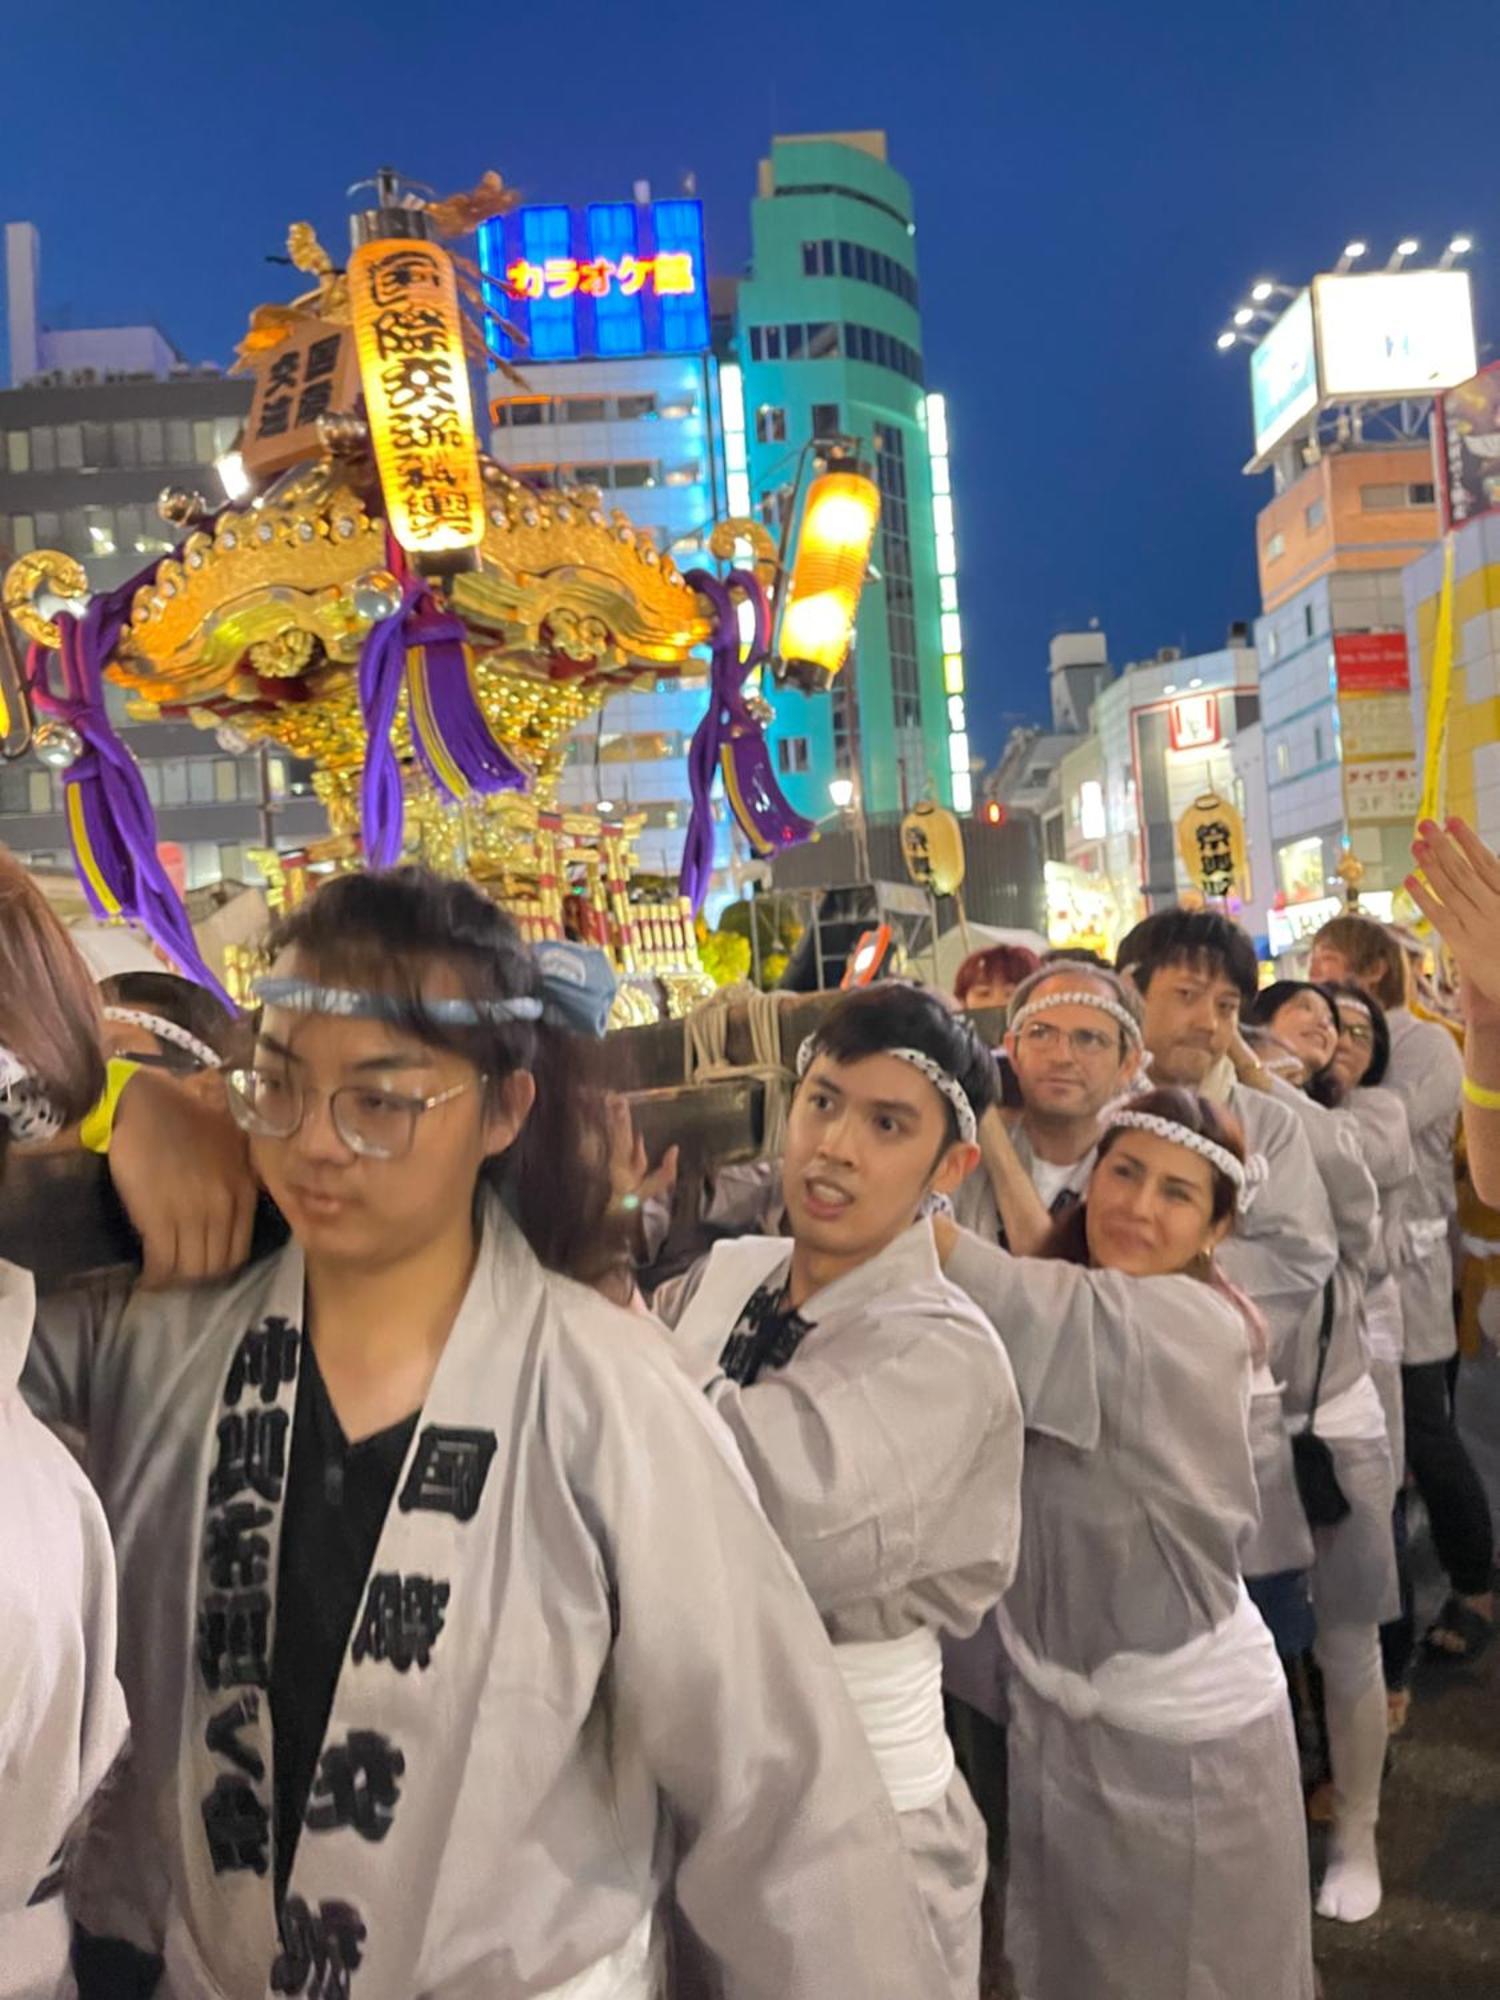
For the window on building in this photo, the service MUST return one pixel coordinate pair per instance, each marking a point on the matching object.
(226, 781)
(637, 473)
(205, 442)
(684, 475)
(1283, 759)
(69, 445)
(896, 566)
(791, 754)
(179, 436)
(201, 781)
(1275, 547)
(124, 446)
(590, 475)
(1422, 494)
(796, 340)
(1313, 516)
(811, 264)
(43, 449)
(773, 343)
(526, 415)
(757, 343)
(152, 441)
(1382, 498)
(48, 530)
(822, 339)
(174, 783)
(99, 531)
(825, 420)
(581, 410)
(629, 408)
(1308, 620)
(22, 534)
(18, 451)
(1272, 643)
(846, 260)
(770, 424)
(39, 788)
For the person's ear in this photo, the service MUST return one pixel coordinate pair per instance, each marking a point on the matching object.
(508, 1108)
(955, 1167)
(1130, 1067)
(1217, 1231)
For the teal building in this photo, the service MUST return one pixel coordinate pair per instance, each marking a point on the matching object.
(828, 338)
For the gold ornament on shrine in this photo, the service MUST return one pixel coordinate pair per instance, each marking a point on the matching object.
(1211, 841)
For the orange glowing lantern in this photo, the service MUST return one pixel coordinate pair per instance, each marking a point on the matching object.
(404, 300)
(828, 571)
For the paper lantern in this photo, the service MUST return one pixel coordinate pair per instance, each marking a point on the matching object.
(415, 377)
(1211, 841)
(932, 845)
(828, 569)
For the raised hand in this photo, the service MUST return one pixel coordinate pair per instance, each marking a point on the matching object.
(1460, 896)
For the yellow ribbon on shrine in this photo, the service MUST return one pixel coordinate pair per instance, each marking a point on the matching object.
(1439, 698)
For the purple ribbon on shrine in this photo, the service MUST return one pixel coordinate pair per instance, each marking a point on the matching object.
(110, 815)
(449, 732)
(731, 739)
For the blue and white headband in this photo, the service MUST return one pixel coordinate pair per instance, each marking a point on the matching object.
(578, 985)
(1100, 1001)
(936, 1075)
(1246, 1176)
(24, 1104)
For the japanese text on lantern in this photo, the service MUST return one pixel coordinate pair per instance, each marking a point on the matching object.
(670, 274)
(416, 384)
(1211, 841)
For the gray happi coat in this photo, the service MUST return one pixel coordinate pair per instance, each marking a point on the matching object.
(1138, 1866)
(887, 1454)
(627, 1685)
(1280, 1253)
(1354, 1571)
(1426, 1073)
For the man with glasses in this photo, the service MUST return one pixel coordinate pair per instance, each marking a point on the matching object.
(1074, 1045)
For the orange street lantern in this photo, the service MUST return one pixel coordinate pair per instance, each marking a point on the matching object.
(415, 377)
(932, 846)
(828, 570)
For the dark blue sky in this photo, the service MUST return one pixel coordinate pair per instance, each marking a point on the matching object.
(1096, 185)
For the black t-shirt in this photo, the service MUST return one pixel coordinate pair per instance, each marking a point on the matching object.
(337, 1498)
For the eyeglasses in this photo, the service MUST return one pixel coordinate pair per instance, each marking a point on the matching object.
(376, 1124)
(1359, 1032)
(1046, 1039)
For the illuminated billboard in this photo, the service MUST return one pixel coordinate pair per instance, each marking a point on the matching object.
(1284, 374)
(1393, 333)
(615, 278)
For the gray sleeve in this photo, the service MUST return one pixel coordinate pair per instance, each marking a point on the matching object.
(1347, 1181)
(790, 1860)
(1048, 1317)
(671, 1299)
(1284, 1248)
(71, 1332)
(865, 1472)
(1430, 1081)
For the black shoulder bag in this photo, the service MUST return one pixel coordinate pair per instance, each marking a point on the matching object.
(1323, 1499)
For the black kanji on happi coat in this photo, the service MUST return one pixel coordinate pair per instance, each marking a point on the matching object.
(266, 1358)
(237, 1554)
(234, 1639)
(400, 1623)
(223, 1734)
(357, 1785)
(237, 1824)
(767, 1335)
(252, 1455)
(448, 1471)
(319, 1950)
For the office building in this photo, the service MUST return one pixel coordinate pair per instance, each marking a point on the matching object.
(623, 392)
(95, 424)
(829, 340)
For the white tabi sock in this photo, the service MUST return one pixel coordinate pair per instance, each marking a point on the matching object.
(1357, 1729)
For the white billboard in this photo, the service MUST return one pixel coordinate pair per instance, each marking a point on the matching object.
(1393, 333)
(1284, 374)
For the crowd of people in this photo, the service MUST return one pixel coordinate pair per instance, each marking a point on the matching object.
(453, 1599)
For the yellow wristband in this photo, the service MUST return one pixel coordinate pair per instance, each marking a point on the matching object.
(94, 1132)
(1476, 1093)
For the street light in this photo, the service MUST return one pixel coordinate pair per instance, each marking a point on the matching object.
(1459, 247)
(1261, 292)
(1244, 316)
(1407, 247)
(1226, 340)
(841, 791)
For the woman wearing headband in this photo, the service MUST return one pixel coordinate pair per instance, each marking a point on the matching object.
(62, 1716)
(491, 1650)
(873, 1406)
(1157, 1842)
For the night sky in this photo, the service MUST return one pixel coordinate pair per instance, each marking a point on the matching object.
(1096, 187)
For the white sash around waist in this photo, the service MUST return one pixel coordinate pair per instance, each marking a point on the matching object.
(896, 1686)
(1424, 1235)
(1354, 1413)
(634, 1971)
(1218, 1683)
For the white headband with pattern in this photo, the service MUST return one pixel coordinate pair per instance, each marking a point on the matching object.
(936, 1075)
(1103, 1003)
(1209, 1149)
(165, 1031)
(24, 1103)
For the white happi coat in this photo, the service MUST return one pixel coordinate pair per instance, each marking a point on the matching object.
(1157, 1841)
(887, 1454)
(62, 1714)
(1426, 1073)
(1281, 1252)
(587, 1664)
